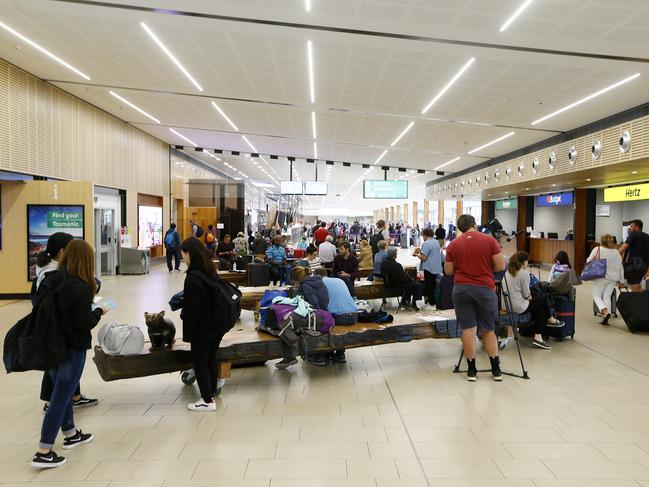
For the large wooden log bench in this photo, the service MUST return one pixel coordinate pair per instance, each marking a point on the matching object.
(245, 344)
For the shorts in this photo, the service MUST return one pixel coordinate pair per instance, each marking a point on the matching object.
(475, 306)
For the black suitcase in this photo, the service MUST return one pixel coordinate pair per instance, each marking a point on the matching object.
(242, 261)
(634, 309)
(564, 309)
(613, 309)
(446, 293)
(258, 274)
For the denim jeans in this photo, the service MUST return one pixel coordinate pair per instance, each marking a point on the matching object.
(59, 414)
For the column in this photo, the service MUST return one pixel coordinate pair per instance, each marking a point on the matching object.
(387, 215)
(460, 208)
(406, 216)
(398, 216)
(440, 211)
(522, 221)
(580, 230)
(488, 211)
(415, 213)
(427, 213)
(392, 214)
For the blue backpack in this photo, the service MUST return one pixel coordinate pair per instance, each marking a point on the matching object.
(169, 239)
(266, 301)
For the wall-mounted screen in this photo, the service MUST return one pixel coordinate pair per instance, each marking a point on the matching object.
(150, 226)
(45, 220)
(317, 188)
(291, 187)
(396, 189)
(556, 199)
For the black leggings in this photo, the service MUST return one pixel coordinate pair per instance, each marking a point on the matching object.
(540, 310)
(47, 386)
(204, 356)
(429, 287)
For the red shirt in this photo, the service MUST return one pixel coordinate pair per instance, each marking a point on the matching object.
(320, 235)
(471, 254)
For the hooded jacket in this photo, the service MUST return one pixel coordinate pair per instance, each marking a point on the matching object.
(315, 292)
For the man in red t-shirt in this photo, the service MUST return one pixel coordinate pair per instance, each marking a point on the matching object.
(320, 234)
(473, 257)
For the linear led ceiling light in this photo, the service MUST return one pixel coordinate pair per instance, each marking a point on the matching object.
(313, 124)
(495, 141)
(126, 102)
(44, 51)
(405, 131)
(227, 119)
(380, 157)
(248, 142)
(307, 5)
(589, 97)
(182, 137)
(446, 164)
(309, 51)
(515, 15)
(315, 150)
(448, 85)
(170, 55)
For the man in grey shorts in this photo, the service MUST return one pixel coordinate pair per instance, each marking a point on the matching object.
(472, 258)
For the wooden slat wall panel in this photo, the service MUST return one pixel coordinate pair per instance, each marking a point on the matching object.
(45, 131)
(638, 128)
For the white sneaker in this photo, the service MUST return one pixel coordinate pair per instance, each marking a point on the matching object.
(220, 383)
(201, 406)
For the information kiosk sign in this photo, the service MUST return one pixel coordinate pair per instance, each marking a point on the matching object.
(395, 189)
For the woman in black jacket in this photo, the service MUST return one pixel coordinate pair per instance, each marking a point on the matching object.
(76, 319)
(200, 317)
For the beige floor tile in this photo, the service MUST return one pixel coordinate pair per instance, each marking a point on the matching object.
(72, 470)
(129, 410)
(246, 435)
(409, 468)
(158, 451)
(17, 437)
(299, 469)
(447, 435)
(371, 468)
(241, 421)
(554, 451)
(442, 421)
(69, 483)
(523, 469)
(604, 435)
(137, 483)
(144, 470)
(622, 451)
(174, 435)
(397, 434)
(17, 471)
(108, 435)
(93, 422)
(322, 482)
(230, 469)
(16, 453)
(401, 483)
(441, 450)
(478, 482)
(391, 450)
(322, 450)
(218, 482)
(100, 452)
(465, 469)
(227, 451)
(592, 469)
(342, 434)
(517, 434)
(177, 421)
(585, 483)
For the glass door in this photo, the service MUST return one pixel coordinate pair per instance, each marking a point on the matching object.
(105, 242)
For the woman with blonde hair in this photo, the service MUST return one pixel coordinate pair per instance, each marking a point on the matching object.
(603, 288)
(365, 260)
(77, 287)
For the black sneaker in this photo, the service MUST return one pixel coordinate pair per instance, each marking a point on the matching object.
(79, 438)
(339, 357)
(556, 324)
(496, 373)
(285, 363)
(541, 344)
(84, 402)
(46, 406)
(472, 375)
(317, 360)
(47, 460)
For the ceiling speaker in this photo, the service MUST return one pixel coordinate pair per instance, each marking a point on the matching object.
(552, 160)
(497, 174)
(486, 177)
(572, 155)
(596, 150)
(521, 168)
(625, 142)
(477, 180)
(508, 173)
(535, 165)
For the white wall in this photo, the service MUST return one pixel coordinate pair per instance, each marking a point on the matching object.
(508, 219)
(554, 219)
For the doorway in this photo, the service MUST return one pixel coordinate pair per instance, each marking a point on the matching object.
(105, 242)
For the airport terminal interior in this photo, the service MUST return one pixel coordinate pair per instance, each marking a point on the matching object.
(277, 230)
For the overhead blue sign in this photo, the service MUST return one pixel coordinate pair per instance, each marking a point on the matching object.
(556, 199)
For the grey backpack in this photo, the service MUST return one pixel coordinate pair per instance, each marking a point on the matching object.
(117, 339)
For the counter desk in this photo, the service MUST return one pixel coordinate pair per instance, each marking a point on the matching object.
(543, 250)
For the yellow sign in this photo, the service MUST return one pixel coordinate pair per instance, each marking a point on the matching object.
(627, 193)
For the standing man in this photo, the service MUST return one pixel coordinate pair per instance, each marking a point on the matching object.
(346, 266)
(320, 234)
(172, 245)
(473, 257)
(636, 248)
(431, 263)
(440, 235)
(327, 252)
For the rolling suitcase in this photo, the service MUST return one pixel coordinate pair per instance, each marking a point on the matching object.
(564, 310)
(613, 309)
(634, 309)
(258, 274)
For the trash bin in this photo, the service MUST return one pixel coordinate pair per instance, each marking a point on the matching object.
(134, 261)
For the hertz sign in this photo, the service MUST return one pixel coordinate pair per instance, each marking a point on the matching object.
(633, 192)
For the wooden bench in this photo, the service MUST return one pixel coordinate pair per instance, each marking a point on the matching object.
(245, 344)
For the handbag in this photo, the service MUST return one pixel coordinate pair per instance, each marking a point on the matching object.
(595, 269)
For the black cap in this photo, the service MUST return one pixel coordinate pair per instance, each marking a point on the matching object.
(56, 242)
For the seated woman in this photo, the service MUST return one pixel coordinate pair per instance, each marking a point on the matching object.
(603, 288)
(561, 264)
(379, 258)
(225, 253)
(365, 260)
(312, 261)
(517, 283)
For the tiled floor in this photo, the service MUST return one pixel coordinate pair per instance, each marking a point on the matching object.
(393, 416)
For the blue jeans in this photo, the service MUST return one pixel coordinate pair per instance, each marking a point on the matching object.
(59, 414)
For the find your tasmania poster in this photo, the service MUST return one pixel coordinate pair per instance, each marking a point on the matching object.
(44, 221)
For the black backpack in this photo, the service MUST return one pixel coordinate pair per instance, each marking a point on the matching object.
(36, 342)
(374, 242)
(227, 302)
(200, 231)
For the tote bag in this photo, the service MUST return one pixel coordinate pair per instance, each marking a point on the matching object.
(595, 269)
